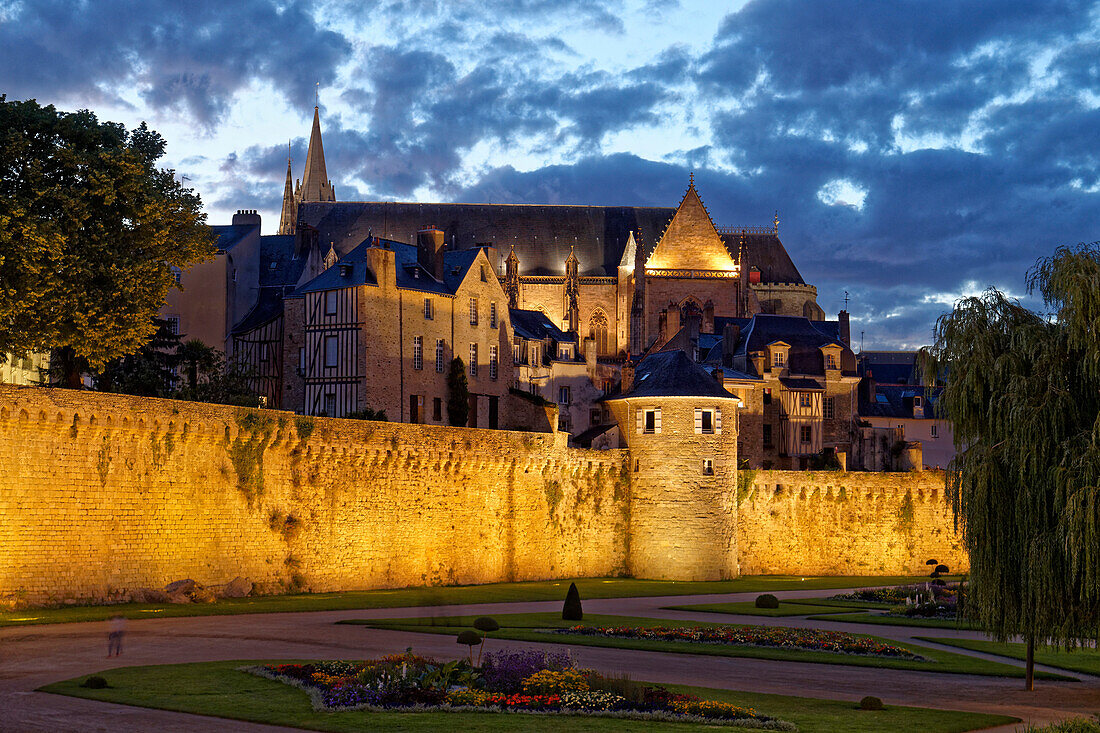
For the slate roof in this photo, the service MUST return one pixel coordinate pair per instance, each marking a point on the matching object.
(889, 367)
(542, 234)
(230, 234)
(585, 439)
(280, 271)
(332, 279)
(802, 385)
(269, 305)
(535, 325)
(804, 336)
(896, 401)
(673, 374)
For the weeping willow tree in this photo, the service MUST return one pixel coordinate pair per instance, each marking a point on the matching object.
(1023, 395)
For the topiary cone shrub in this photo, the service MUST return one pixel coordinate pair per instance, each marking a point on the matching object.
(571, 611)
(485, 625)
(767, 600)
(870, 703)
(95, 682)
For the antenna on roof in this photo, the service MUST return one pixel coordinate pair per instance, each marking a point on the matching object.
(861, 342)
(845, 300)
(317, 95)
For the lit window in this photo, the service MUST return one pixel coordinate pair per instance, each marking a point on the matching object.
(473, 360)
(805, 434)
(708, 467)
(439, 355)
(428, 308)
(473, 311)
(330, 302)
(492, 362)
(330, 352)
(805, 400)
(492, 314)
(418, 352)
(563, 395)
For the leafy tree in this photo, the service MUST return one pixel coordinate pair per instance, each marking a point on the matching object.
(227, 382)
(197, 358)
(1023, 395)
(148, 372)
(367, 414)
(458, 394)
(90, 229)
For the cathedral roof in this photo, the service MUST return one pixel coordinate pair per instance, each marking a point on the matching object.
(690, 241)
(542, 234)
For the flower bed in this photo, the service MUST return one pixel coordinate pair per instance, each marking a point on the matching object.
(527, 682)
(769, 636)
(926, 600)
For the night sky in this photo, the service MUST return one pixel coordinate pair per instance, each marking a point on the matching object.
(915, 151)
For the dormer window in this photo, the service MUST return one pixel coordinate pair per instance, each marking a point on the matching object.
(778, 359)
(830, 361)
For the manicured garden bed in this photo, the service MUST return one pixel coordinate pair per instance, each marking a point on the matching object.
(221, 689)
(548, 627)
(509, 681)
(553, 590)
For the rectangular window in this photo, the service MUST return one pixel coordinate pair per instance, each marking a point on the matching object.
(778, 359)
(439, 355)
(330, 351)
(492, 362)
(418, 352)
(173, 325)
(265, 352)
(301, 360)
(805, 400)
(704, 422)
(595, 417)
(830, 408)
(535, 360)
(416, 408)
(330, 404)
(767, 430)
(176, 276)
(437, 409)
(473, 311)
(805, 434)
(428, 308)
(767, 395)
(935, 431)
(330, 302)
(563, 395)
(484, 277)
(473, 360)
(492, 314)
(708, 467)
(649, 421)
(830, 361)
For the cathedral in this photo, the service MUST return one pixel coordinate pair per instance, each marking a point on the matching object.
(356, 306)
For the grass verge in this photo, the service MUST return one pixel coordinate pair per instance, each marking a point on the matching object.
(548, 590)
(798, 607)
(1086, 661)
(535, 626)
(874, 618)
(219, 689)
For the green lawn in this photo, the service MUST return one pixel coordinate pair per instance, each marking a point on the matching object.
(220, 689)
(535, 627)
(798, 607)
(549, 590)
(1081, 660)
(883, 620)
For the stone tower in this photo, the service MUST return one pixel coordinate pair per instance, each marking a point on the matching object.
(288, 219)
(680, 426)
(315, 183)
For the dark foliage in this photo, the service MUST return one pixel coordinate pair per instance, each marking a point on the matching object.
(571, 611)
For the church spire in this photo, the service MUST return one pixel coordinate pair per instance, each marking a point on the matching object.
(287, 220)
(315, 183)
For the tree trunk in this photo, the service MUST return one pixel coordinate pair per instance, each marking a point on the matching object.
(1029, 679)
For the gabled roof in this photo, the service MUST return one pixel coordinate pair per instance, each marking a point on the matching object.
(691, 242)
(673, 374)
(896, 401)
(230, 234)
(804, 336)
(536, 326)
(335, 278)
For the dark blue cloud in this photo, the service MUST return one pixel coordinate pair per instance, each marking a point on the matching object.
(191, 56)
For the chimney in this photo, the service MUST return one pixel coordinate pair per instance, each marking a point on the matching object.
(693, 323)
(429, 250)
(708, 317)
(672, 321)
(757, 358)
(662, 323)
(731, 334)
(246, 217)
(845, 329)
(628, 377)
(590, 354)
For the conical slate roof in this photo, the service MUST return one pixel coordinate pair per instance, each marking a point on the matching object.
(315, 183)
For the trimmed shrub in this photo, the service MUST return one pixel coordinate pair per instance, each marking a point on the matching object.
(469, 638)
(486, 625)
(767, 600)
(571, 611)
(941, 569)
(870, 703)
(95, 682)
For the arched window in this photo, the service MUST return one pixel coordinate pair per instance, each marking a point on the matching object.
(597, 329)
(689, 308)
